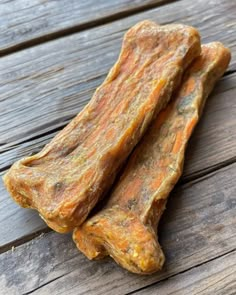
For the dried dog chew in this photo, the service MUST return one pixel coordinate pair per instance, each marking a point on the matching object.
(67, 178)
(126, 229)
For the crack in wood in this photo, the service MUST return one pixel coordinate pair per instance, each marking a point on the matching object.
(41, 286)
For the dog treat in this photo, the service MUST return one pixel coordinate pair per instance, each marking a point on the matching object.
(126, 229)
(67, 178)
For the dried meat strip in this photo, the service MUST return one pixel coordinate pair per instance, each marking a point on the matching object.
(126, 229)
(66, 179)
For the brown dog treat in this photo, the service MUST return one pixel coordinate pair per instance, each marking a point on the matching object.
(126, 229)
(67, 178)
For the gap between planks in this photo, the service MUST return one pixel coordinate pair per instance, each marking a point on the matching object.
(55, 74)
(59, 126)
(167, 17)
(63, 32)
(204, 172)
(201, 230)
(186, 271)
(14, 244)
(32, 145)
(199, 163)
(198, 178)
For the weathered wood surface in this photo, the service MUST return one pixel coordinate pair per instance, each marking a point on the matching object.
(198, 225)
(209, 145)
(25, 22)
(45, 86)
(215, 277)
(213, 144)
(15, 221)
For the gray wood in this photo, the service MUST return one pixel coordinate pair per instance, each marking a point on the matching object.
(215, 277)
(199, 225)
(25, 22)
(214, 139)
(15, 221)
(213, 144)
(45, 86)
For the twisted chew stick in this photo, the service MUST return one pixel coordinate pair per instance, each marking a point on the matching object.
(66, 179)
(127, 228)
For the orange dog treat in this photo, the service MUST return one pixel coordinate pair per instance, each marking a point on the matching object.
(66, 179)
(126, 229)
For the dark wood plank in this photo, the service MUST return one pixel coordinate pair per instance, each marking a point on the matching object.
(215, 277)
(45, 86)
(198, 225)
(28, 22)
(213, 144)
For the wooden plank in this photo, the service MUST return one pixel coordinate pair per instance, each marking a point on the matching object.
(215, 277)
(198, 225)
(45, 86)
(15, 221)
(214, 141)
(28, 22)
(213, 144)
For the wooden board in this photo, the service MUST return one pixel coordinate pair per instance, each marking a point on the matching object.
(215, 277)
(45, 86)
(24, 23)
(214, 141)
(16, 223)
(60, 52)
(212, 146)
(209, 145)
(198, 225)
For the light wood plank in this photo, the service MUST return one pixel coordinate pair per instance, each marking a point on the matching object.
(45, 86)
(198, 225)
(215, 277)
(28, 22)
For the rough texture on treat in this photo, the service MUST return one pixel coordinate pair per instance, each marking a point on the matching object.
(126, 229)
(67, 178)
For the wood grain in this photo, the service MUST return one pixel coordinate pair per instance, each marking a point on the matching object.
(215, 277)
(209, 146)
(28, 22)
(214, 140)
(198, 225)
(213, 144)
(15, 221)
(45, 86)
